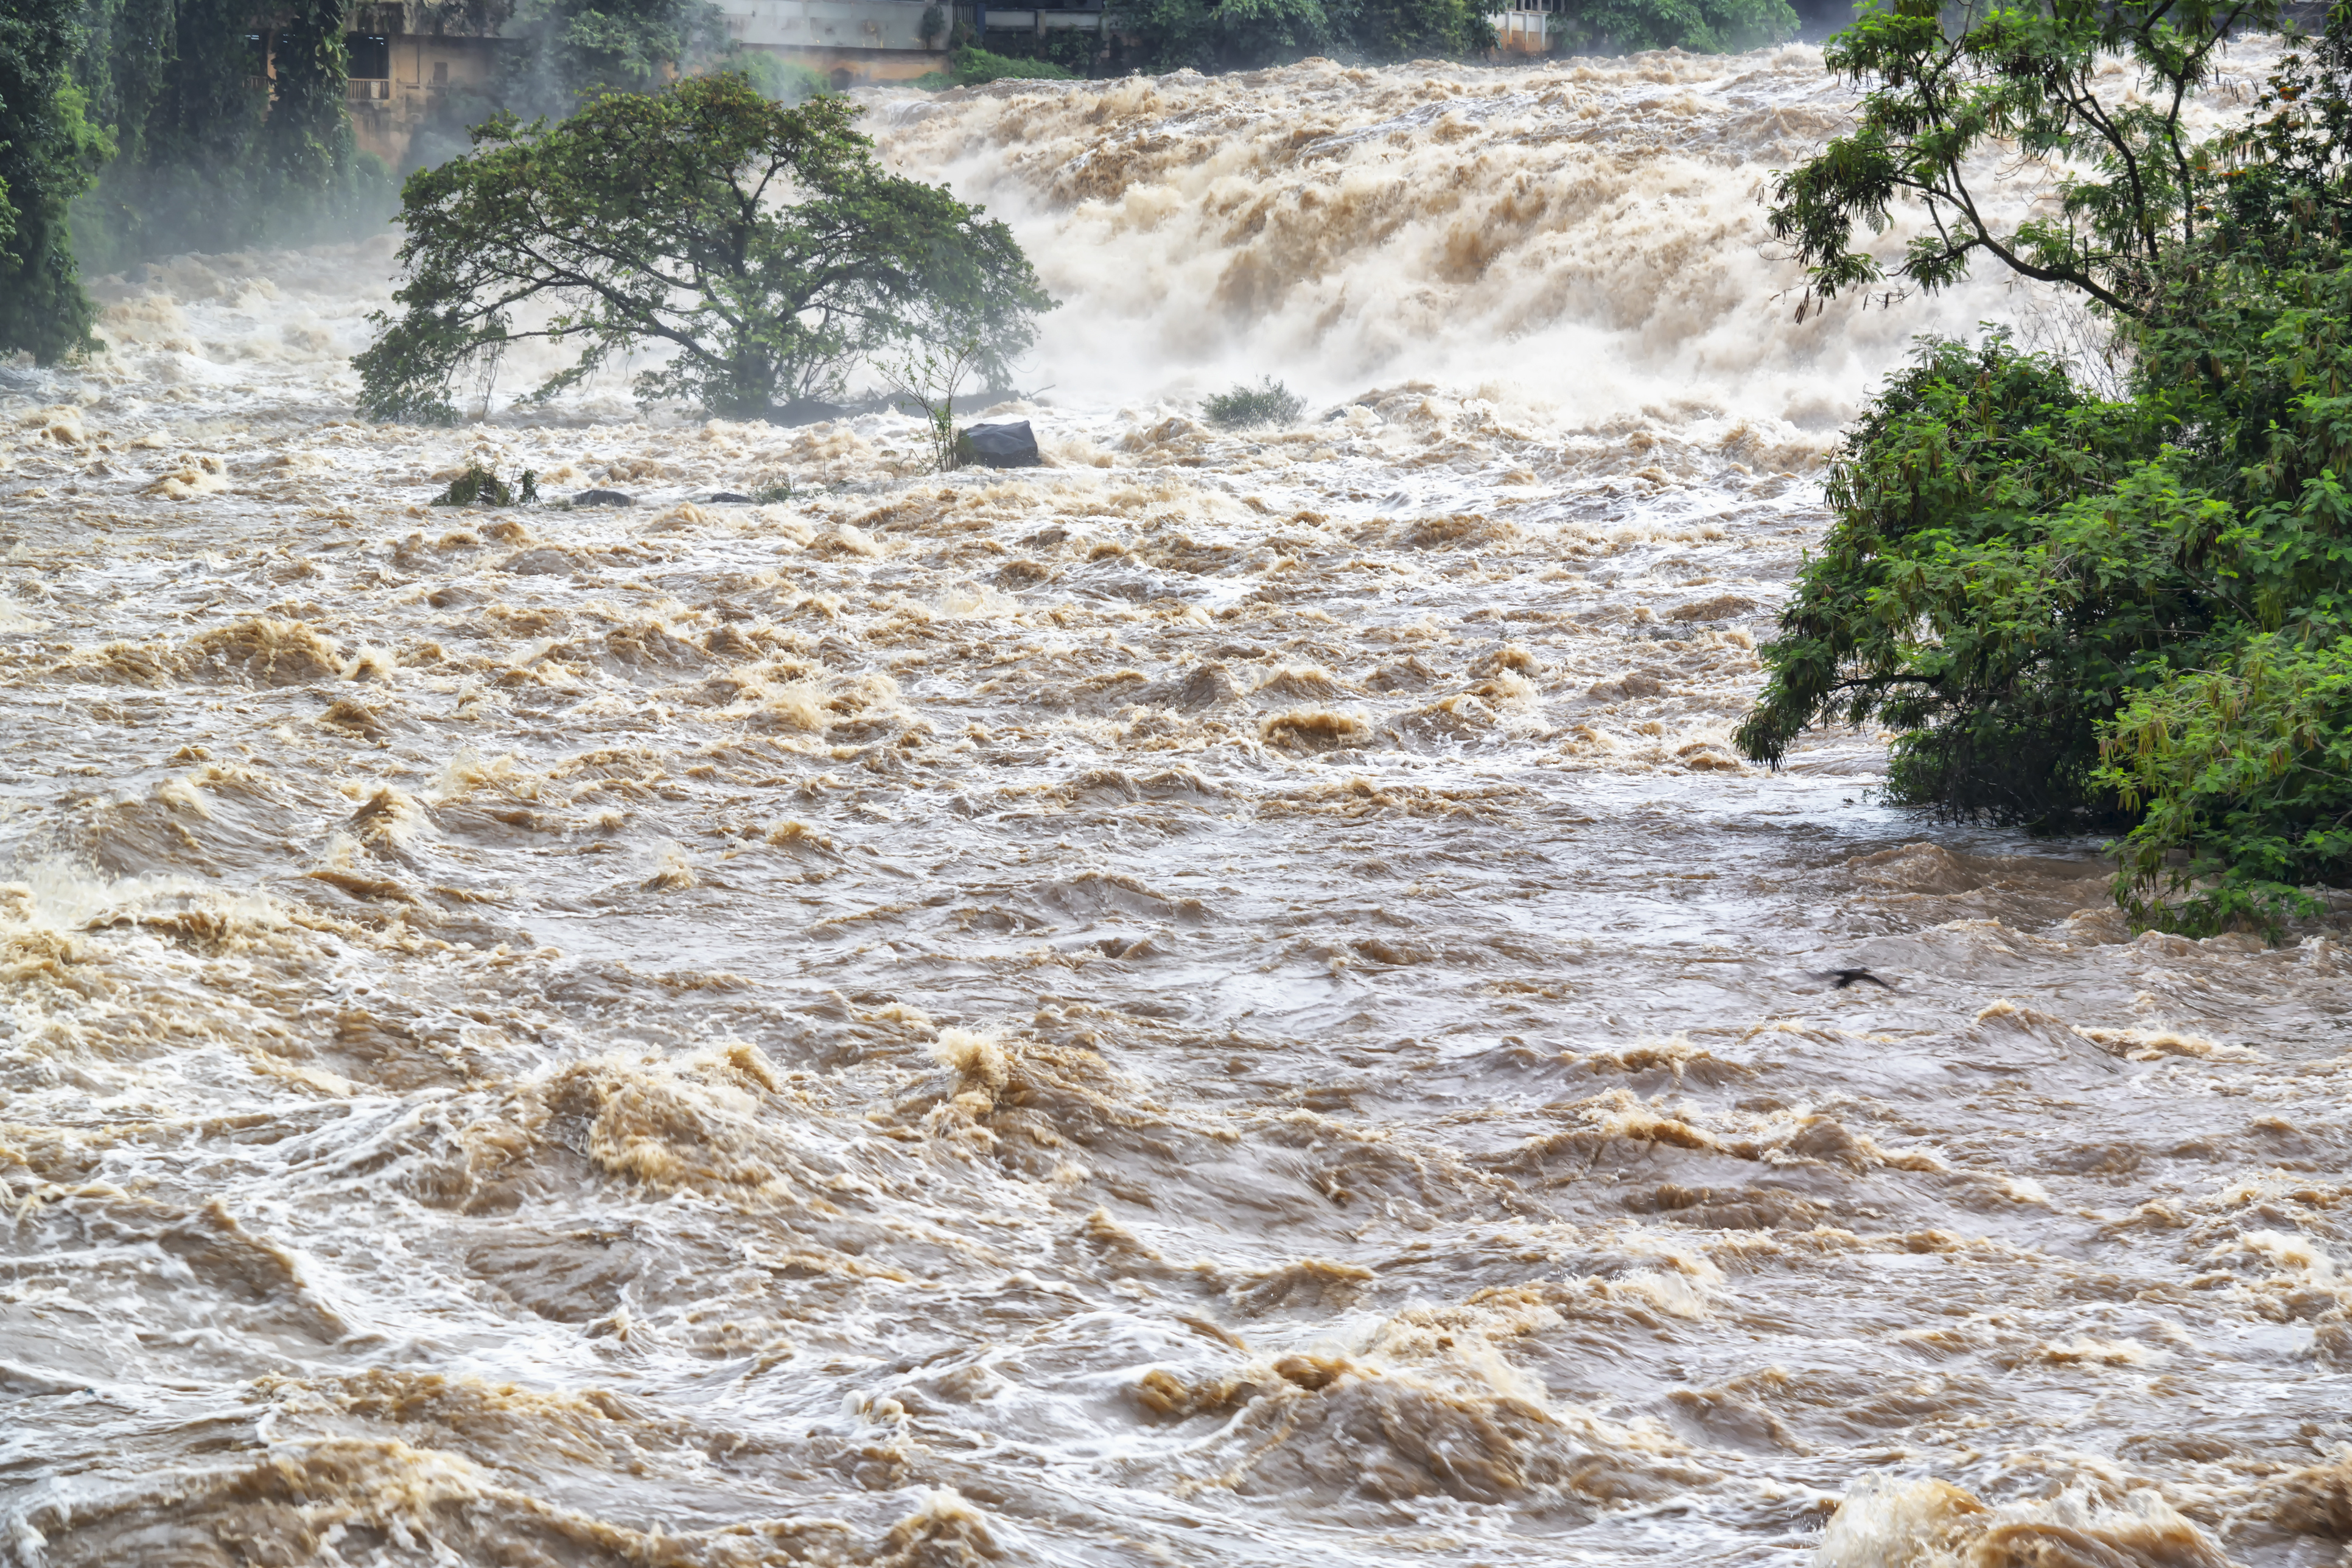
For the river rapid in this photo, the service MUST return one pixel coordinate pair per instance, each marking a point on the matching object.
(1223, 1001)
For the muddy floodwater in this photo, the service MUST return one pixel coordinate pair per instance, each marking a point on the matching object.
(1225, 1000)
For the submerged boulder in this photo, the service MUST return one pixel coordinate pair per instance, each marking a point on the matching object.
(1009, 445)
(603, 498)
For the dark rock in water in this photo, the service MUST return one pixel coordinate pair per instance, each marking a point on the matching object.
(730, 498)
(804, 411)
(1011, 445)
(603, 497)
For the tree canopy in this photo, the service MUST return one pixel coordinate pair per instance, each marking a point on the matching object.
(760, 244)
(49, 151)
(2082, 609)
(2018, 81)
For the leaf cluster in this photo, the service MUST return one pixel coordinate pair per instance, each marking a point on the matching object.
(1699, 26)
(1945, 103)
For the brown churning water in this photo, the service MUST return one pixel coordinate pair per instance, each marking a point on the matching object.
(1223, 1001)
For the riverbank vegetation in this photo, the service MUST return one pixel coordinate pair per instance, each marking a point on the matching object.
(970, 67)
(760, 242)
(2087, 608)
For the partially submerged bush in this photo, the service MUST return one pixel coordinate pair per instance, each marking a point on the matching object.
(1246, 406)
(478, 486)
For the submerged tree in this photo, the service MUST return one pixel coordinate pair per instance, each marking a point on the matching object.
(760, 244)
(48, 151)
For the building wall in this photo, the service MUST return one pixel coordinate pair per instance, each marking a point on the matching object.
(851, 41)
(386, 111)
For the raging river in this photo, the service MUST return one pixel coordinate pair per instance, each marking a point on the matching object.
(1225, 1000)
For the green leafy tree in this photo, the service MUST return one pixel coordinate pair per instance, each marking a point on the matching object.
(2014, 81)
(2000, 559)
(2134, 609)
(49, 153)
(574, 50)
(759, 243)
(1414, 29)
(1233, 35)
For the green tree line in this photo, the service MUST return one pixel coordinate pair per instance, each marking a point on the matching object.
(1212, 36)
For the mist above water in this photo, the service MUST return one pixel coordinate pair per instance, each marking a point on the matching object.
(1225, 1000)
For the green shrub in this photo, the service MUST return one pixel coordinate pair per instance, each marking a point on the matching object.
(970, 67)
(1996, 565)
(477, 485)
(2245, 772)
(1246, 407)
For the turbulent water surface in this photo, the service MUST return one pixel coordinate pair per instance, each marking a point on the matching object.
(1223, 1001)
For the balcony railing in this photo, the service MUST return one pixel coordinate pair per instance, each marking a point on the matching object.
(365, 90)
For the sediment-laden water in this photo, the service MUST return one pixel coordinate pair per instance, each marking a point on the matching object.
(1224, 1001)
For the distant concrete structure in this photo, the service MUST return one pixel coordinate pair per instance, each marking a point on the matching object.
(856, 42)
(408, 55)
(405, 58)
(852, 42)
(1529, 27)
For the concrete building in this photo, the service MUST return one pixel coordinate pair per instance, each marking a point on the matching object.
(854, 42)
(405, 59)
(1530, 27)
